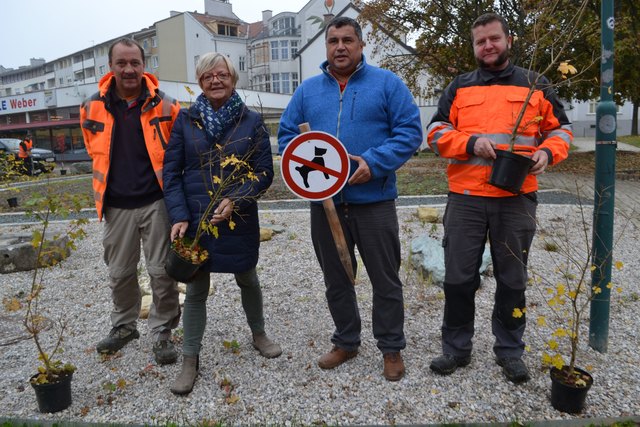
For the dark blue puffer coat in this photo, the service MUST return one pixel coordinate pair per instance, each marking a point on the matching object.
(187, 175)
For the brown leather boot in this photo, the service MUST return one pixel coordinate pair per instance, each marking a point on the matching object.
(336, 357)
(393, 366)
(183, 384)
(265, 346)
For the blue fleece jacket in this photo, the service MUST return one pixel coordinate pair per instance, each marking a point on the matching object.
(375, 117)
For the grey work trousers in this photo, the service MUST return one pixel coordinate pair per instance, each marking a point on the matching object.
(374, 229)
(194, 319)
(510, 225)
(123, 231)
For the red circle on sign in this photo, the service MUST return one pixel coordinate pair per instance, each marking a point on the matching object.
(341, 175)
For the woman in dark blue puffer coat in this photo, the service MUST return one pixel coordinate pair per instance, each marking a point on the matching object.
(218, 126)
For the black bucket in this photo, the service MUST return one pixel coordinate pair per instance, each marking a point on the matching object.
(179, 268)
(54, 397)
(566, 397)
(510, 170)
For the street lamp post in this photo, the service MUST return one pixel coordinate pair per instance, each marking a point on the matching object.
(605, 179)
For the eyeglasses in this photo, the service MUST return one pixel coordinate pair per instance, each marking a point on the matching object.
(208, 78)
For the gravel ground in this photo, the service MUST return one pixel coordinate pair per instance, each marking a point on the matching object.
(292, 390)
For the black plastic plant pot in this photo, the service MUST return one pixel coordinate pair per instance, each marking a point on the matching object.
(569, 398)
(179, 268)
(510, 170)
(13, 202)
(53, 397)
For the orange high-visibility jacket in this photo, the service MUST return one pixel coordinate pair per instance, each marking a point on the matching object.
(158, 114)
(24, 148)
(485, 104)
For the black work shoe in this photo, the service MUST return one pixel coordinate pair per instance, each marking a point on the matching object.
(165, 351)
(514, 369)
(448, 363)
(118, 337)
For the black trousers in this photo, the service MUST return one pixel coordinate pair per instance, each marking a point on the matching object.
(373, 229)
(509, 223)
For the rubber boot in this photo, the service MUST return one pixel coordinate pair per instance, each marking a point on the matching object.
(265, 346)
(187, 377)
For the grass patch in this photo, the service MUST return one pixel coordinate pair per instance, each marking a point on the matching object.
(630, 139)
(424, 174)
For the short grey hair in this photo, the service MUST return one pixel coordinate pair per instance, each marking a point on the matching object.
(210, 60)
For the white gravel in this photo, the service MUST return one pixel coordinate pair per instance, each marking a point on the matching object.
(292, 390)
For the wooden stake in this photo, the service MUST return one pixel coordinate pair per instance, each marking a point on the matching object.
(335, 226)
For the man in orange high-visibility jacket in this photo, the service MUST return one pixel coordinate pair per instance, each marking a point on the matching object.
(476, 115)
(126, 127)
(24, 153)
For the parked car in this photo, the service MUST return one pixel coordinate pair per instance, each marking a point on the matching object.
(43, 159)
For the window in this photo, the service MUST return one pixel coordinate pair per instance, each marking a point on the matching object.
(195, 60)
(294, 48)
(102, 70)
(284, 50)
(227, 30)
(145, 44)
(275, 82)
(274, 51)
(154, 42)
(286, 87)
(283, 26)
(154, 61)
(294, 82)
(241, 63)
(61, 81)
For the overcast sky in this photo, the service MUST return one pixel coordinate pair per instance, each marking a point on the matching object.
(50, 29)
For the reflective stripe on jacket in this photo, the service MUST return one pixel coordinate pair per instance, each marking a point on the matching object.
(485, 104)
(158, 114)
(24, 148)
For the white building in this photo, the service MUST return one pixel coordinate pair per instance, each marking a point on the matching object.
(272, 56)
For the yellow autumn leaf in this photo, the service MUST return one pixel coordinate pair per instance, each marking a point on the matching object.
(609, 285)
(11, 304)
(597, 290)
(216, 179)
(619, 265)
(517, 313)
(542, 321)
(214, 231)
(557, 361)
(560, 332)
(553, 344)
(560, 289)
(566, 68)
(232, 399)
(232, 224)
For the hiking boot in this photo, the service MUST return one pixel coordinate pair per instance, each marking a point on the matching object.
(183, 384)
(265, 346)
(448, 363)
(393, 366)
(118, 337)
(514, 369)
(335, 357)
(164, 350)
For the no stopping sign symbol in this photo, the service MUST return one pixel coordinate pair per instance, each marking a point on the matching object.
(315, 165)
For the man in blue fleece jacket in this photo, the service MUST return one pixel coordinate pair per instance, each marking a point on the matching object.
(374, 115)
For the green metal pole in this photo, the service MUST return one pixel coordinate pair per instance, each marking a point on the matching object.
(605, 180)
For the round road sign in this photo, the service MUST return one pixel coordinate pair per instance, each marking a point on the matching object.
(315, 165)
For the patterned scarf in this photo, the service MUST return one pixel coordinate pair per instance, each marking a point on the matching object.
(217, 122)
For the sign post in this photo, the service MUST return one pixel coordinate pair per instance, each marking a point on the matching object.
(317, 171)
